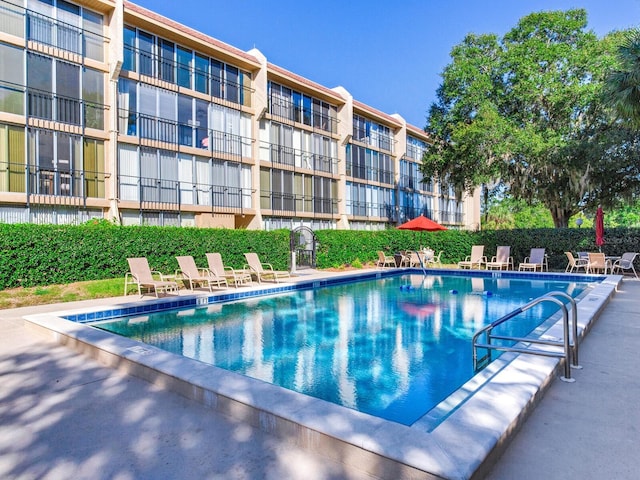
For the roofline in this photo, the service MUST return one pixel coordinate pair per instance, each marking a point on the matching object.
(189, 32)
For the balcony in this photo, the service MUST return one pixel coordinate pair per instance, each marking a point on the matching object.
(154, 193)
(173, 132)
(156, 66)
(280, 154)
(45, 30)
(73, 111)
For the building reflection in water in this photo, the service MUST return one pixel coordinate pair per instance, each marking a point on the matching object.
(393, 347)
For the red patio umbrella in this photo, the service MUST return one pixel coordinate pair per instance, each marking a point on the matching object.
(599, 228)
(421, 224)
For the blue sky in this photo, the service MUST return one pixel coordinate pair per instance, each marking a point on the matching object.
(386, 54)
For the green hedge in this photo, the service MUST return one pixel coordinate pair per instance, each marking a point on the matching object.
(32, 255)
(344, 247)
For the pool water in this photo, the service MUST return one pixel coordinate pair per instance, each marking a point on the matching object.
(392, 347)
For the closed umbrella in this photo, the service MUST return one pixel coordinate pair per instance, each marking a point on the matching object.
(599, 228)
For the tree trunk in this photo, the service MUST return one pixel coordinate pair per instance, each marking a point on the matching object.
(561, 216)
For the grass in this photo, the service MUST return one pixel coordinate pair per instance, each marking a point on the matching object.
(72, 292)
(26, 297)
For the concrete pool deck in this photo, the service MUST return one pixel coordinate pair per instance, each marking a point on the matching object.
(64, 415)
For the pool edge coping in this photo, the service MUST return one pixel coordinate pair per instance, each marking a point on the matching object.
(339, 432)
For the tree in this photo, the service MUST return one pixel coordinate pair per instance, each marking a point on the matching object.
(526, 115)
(623, 84)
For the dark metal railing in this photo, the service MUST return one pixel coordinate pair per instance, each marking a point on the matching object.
(157, 66)
(170, 131)
(176, 193)
(282, 108)
(74, 111)
(290, 203)
(38, 180)
(302, 159)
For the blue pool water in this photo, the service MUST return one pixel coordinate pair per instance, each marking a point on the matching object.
(392, 347)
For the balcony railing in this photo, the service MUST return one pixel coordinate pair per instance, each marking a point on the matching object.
(35, 180)
(170, 131)
(292, 204)
(356, 208)
(366, 172)
(49, 106)
(285, 109)
(156, 66)
(179, 193)
(302, 159)
(39, 28)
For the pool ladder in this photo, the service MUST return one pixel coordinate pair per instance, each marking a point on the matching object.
(569, 344)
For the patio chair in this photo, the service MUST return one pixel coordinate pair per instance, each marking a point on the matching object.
(475, 260)
(140, 274)
(436, 261)
(385, 260)
(576, 263)
(625, 263)
(415, 260)
(537, 260)
(502, 259)
(236, 277)
(598, 263)
(192, 275)
(264, 271)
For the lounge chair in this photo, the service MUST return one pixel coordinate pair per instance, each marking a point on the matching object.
(598, 263)
(192, 275)
(625, 263)
(436, 260)
(263, 271)
(501, 260)
(385, 260)
(236, 277)
(575, 263)
(140, 274)
(475, 260)
(537, 260)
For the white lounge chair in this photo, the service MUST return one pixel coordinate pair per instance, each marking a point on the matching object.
(194, 276)
(501, 260)
(537, 260)
(625, 263)
(475, 260)
(140, 274)
(236, 277)
(575, 263)
(263, 271)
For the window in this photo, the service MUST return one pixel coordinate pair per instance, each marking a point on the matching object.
(68, 32)
(11, 79)
(166, 62)
(93, 96)
(185, 58)
(93, 163)
(202, 74)
(146, 51)
(129, 40)
(40, 86)
(67, 93)
(185, 120)
(93, 40)
(12, 159)
(127, 100)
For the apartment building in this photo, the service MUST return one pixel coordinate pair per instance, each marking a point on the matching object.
(109, 110)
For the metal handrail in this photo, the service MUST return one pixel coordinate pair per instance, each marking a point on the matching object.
(570, 349)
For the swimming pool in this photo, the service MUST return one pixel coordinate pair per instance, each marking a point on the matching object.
(393, 347)
(482, 415)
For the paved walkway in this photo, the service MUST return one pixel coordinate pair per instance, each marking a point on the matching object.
(63, 415)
